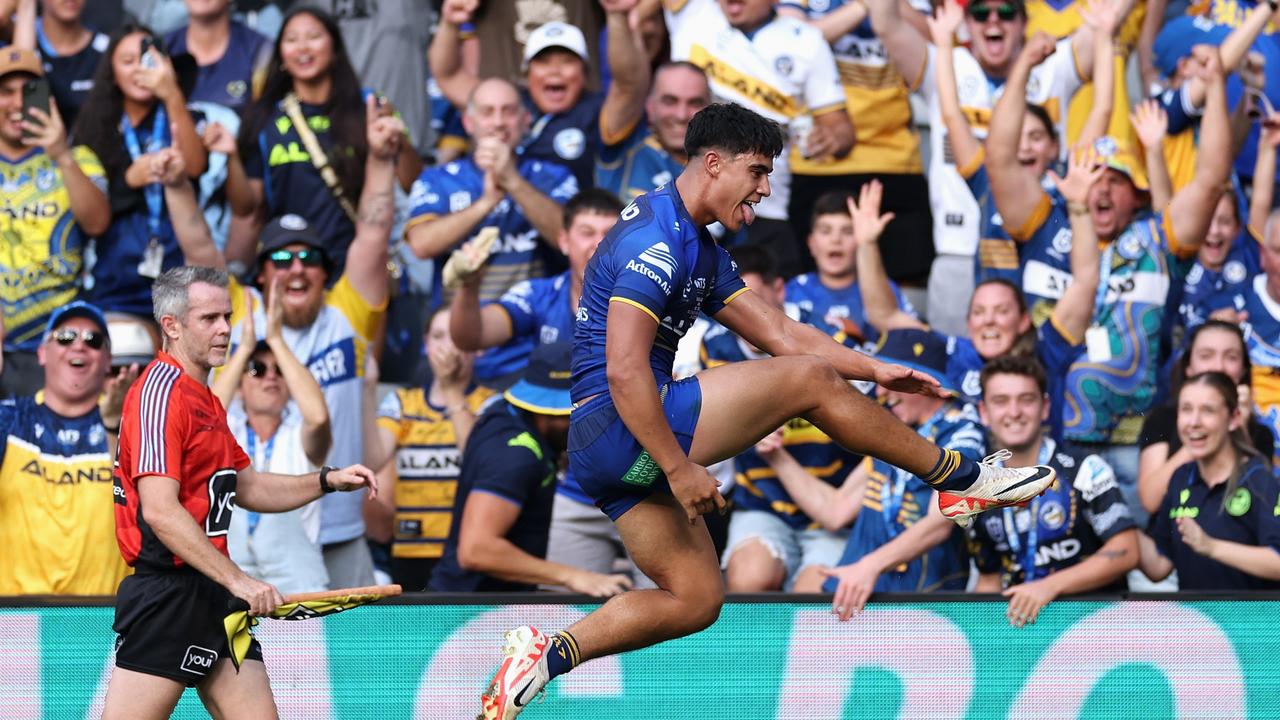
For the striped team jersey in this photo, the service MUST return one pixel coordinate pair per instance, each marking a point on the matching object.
(782, 70)
(876, 96)
(1262, 335)
(41, 259)
(1205, 290)
(836, 311)
(173, 426)
(1060, 18)
(518, 254)
(56, 524)
(1107, 397)
(334, 348)
(636, 165)
(1045, 255)
(997, 256)
(895, 500)
(428, 461)
(757, 486)
(956, 218)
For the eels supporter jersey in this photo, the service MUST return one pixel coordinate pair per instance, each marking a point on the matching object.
(895, 500)
(173, 426)
(1071, 521)
(876, 96)
(1262, 337)
(334, 348)
(1205, 290)
(636, 165)
(428, 461)
(540, 313)
(1044, 249)
(56, 522)
(836, 311)
(656, 259)
(956, 218)
(518, 254)
(997, 256)
(782, 70)
(1107, 394)
(42, 256)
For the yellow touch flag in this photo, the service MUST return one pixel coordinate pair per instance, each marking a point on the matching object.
(302, 606)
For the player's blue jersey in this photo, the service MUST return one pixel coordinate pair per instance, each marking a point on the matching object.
(836, 310)
(1045, 255)
(540, 313)
(1204, 290)
(519, 254)
(997, 256)
(657, 259)
(895, 500)
(636, 165)
(1107, 396)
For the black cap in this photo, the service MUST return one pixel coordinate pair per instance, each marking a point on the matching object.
(544, 389)
(919, 350)
(287, 230)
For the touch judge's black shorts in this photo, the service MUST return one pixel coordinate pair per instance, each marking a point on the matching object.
(171, 625)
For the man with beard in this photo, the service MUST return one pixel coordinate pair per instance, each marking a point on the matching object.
(653, 154)
(330, 331)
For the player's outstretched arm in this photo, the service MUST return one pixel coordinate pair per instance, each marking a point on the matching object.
(628, 336)
(268, 492)
(178, 531)
(768, 328)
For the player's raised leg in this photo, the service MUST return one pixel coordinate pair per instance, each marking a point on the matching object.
(242, 695)
(138, 696)
(676, 554)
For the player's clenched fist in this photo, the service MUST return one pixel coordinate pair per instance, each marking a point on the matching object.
(696, 490)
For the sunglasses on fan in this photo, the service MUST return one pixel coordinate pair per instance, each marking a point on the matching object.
(94, 339)
(1005, 12)
(309, 257)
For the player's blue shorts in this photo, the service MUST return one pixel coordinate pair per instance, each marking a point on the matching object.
(610, 463)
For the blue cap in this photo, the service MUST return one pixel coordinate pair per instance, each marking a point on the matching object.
(920, 350)
(79, 308)
(544, 389)
(1181, 34)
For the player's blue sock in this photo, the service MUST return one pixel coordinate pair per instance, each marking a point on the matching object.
(562, 655)
(953, 472)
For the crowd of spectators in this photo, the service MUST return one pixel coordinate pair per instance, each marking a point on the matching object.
(1060, 209)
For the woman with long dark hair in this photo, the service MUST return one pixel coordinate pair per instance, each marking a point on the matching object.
(1217, 524)
(275, 167)
(1215, 346)
(136, 121)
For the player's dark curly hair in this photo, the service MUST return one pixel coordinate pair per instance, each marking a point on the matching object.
(734, 130)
